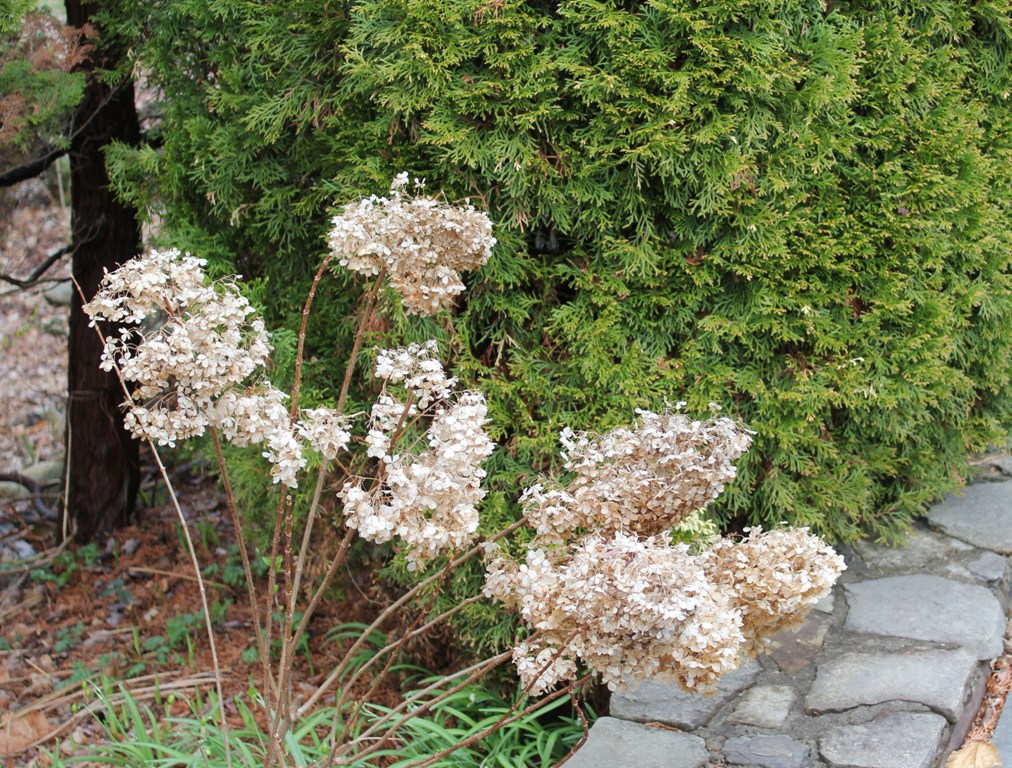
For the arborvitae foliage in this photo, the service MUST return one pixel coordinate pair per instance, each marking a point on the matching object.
(798, 210)
(38, 87)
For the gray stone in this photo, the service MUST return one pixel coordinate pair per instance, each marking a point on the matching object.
(937, 679)
(988, 566)
(826, 604)
(894, 740)
(45, 472)
(13, 490)
(667, 703)
(765, 706)
(61, 294)
(617, 744)
(766, 751)
(981, 515)
(926, 607)
(796, 648)
(1002, 738)
(919, 549)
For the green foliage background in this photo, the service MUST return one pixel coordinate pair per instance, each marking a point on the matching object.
(798, 210)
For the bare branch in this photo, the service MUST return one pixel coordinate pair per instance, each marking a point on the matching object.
(33, 168)
(68, 250)
(39, 271)
(50, 155)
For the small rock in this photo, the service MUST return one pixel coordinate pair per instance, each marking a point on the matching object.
(826, 604)
(10, 490)
(893, 740)
(796, 648)
(765, 706)
(926, 607)
(619, 744)
(668, 703)
(45, 472)
(766, 751)
(988, 566)
(97, 637)
(130, 546)
(61, 294)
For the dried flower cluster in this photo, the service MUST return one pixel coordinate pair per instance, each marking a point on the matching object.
(603, 584)
(646, 479)
(420, 242)
(193, 371)
(427, 499)
(206, 344)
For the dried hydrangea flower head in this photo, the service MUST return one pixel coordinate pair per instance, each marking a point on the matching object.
(426, 498)
(195, 369)
(420, 242)
(629, 608)
(603, 585)
(209, 341)
(772, 579)
(643, 480)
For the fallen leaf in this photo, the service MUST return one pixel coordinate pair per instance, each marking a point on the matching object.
(975, 754)
(18, 733)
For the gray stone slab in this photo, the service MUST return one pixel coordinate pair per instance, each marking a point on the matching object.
(617, 744)
(980, 515)
(937, 679)
(1002, 738)
(796, 648)
(764, 751)
(894, 740)
(919, 549)
(765, 706)
(826, 604)
(927, 607)
(988, 566)
(667, 703)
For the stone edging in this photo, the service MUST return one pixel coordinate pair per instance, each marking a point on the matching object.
(887, 672)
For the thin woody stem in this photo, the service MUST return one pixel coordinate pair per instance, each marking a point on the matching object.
(391, 655)
(356, 346)
(290, 642)
(191, 551)
(503, 721)
(251, 589)
(474, 672)
(300, 352)
(409, 635)
(336, 673)
(284, 514)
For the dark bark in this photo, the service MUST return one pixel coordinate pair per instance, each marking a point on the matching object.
(31, 169)
(103, 464)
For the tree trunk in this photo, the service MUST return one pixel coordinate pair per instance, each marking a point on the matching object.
(102, 458)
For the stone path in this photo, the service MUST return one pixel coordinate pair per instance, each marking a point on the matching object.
(887, 672)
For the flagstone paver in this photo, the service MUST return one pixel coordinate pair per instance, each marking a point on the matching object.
(926, 607)
(880, 675)
(902, 740)
(621, 744)
(765, 706)
(938, 679)
(669, 704)
(981, 515)
(765, 751)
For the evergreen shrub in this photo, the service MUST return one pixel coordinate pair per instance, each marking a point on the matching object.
(797, 210)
